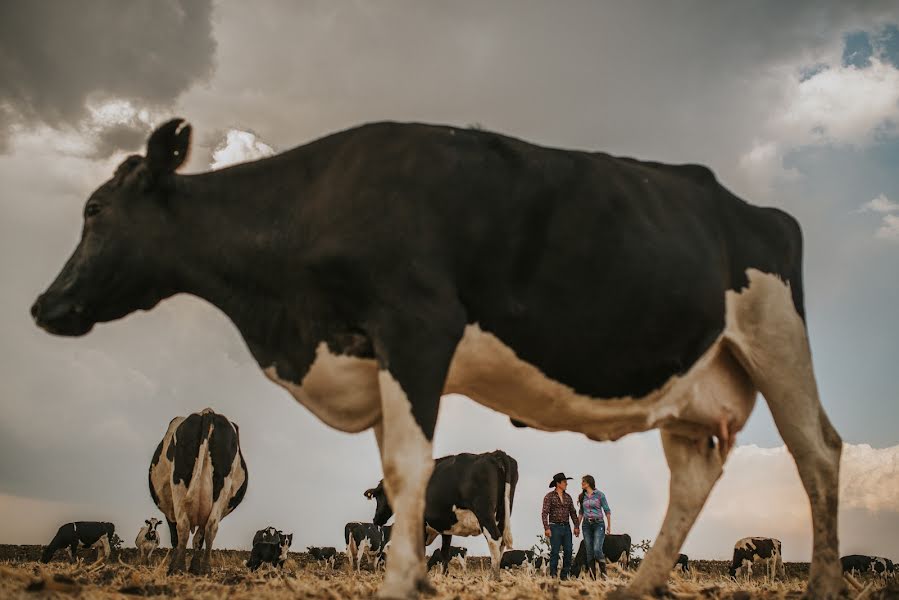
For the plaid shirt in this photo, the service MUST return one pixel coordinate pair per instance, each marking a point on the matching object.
(557, 510)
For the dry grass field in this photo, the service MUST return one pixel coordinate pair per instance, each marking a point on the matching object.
(21, 577)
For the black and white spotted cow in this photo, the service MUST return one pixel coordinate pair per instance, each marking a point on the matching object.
(147, 540)
(858, 564)
(683, 564)
(326, 554)
(365, 540)
(751, 550)
(528, 560)
(467, 495)
(616, 547)
(81, 534)
(269, 535)
(269, 549)
(197, 477)
(456, 553)
(571, 290)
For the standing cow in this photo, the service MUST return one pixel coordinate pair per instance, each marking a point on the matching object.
(325, 554)
(365, 540)
(147, 540)
(197, 477)
(81, 534)
(750, 550)
(269, 548)
(616, 547)
(456, 553)
(467, 495)
(571, 290)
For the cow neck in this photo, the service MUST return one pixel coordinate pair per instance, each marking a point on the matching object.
(228, 258)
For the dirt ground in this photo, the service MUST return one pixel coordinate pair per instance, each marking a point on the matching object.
(22, 577)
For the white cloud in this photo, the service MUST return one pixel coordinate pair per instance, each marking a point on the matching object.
(840, 106)
(880, 204)
(239, 146)
(889, 228)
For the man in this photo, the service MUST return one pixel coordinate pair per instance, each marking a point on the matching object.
(558, 507)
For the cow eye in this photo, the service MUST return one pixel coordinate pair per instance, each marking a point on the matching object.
(91, 209)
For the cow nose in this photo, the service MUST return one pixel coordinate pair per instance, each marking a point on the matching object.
(36, 307)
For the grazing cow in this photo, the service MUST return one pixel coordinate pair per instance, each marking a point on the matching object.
(365, 540)
(883, 567)
(327, 554)
(147, 540)
(757, 549)
(271, 552)
(467, 495)
(571, 290)
(521, 558)
(81, 534)
(456, 553)
(616, 547)
(197, 477)
(683, 564)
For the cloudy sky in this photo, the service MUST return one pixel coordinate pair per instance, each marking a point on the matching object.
(792, 104)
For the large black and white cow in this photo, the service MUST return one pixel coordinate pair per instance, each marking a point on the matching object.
(375, 269)
(750, 550)
(197, 477)
(467, 495)
(81, 534)
(147, 540)
(365, 540)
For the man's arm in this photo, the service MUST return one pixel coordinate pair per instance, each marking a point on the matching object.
(545, 514)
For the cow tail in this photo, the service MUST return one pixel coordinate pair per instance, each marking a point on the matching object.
(346, 533)
(503, 511)
(507, 491)
(206, 433)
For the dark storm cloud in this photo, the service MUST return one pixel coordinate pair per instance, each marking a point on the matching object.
(55, 56)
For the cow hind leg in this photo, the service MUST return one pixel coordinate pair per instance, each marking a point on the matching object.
(179, 552)
(770, 339)
(694, 470)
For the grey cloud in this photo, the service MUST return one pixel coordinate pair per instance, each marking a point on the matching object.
(55, 56)
(122, 136)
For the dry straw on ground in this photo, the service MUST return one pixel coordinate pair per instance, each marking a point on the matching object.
(301, 579)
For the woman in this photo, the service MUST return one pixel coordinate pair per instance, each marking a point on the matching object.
(593, 504)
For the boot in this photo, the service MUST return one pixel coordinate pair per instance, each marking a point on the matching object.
(591, 569)
(602, 568)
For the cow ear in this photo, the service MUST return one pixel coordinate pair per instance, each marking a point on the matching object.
(168, 146)
(369, 493)
(147, 521)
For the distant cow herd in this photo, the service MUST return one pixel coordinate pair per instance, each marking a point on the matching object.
(198, 476)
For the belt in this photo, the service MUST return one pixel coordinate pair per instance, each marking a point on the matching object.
(565, 523)
(594, 520)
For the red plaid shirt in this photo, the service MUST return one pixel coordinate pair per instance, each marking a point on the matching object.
(557, 510)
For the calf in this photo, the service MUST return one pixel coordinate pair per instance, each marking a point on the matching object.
(81, 534)
(273, 553)
(456, 553)
(757, 549)
(327, 554)
(858, 564)
(571, 290)
(683, 564)
(269, 535)
(527, 559)
(365, 540)
(147, 540)
(197, 477)
(467, 495)
(616, 547)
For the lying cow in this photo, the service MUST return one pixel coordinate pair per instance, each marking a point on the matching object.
(467, 495)
(81, 534)
(683, 564)
(616, 548)
(571, 290)
(147, 540)
(456, 553)
(197, 477)
(858, 564)
(365, 540)
(529, 560)
(270, 549)
(751, 550)
(326, 554)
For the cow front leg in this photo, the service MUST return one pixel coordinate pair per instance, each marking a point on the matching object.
(414, 359)
(694, 470)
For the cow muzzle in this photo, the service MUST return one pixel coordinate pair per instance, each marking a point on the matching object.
(60, 316)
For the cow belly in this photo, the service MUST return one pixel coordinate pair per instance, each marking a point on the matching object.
(715, 390)
(466, 525)
(340, 390)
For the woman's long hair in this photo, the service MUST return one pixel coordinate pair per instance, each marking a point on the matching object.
(592, 483)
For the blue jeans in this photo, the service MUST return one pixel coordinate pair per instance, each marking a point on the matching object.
(560, 535)
(594, 536)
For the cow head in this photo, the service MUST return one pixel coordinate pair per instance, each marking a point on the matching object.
(118, 266)
(383, 511)
(152, 523)
(286, 541)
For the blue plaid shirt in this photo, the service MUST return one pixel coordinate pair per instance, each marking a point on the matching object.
(594, 505)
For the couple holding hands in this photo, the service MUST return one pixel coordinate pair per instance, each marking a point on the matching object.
(558, 507)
